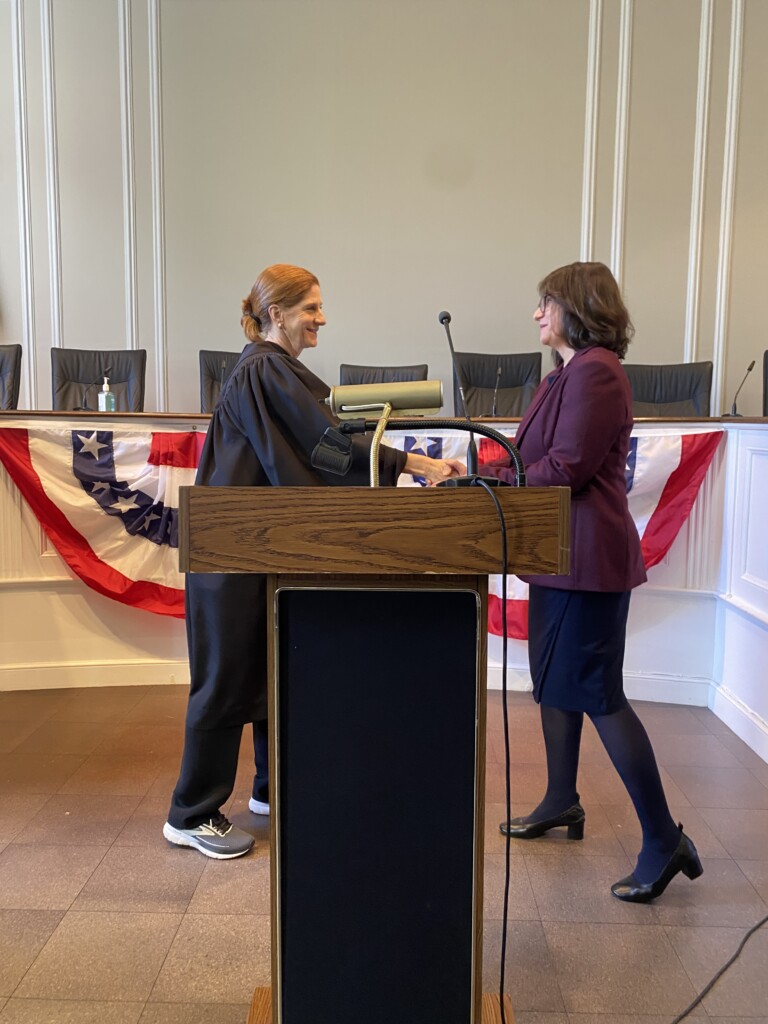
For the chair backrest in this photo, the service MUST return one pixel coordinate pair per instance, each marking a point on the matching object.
(10, 376)
(351, 374)
(765, 383)
(215, 368)
(670, 389)
(496, 383)
(77, 373)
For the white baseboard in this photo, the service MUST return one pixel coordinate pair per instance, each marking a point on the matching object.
(667, 689)
(747, 725)
(517, 679)
(658, 688)
(84, 674)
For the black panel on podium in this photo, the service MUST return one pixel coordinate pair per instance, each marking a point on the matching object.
(368, 708)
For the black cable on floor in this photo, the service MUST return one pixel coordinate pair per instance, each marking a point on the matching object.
(711, 984)
(505, 713)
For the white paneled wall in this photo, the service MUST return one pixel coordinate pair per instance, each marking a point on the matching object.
(417, 155)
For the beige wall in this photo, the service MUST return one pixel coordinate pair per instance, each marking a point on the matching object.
(416, 154)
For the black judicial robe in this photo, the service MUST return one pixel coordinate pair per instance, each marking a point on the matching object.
(262, 433)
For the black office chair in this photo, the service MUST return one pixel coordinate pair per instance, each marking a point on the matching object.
(765, 383)
(670, 389)
(10, 376)
(496, 384)
(215, 368)
(351, 374)
(77, 373)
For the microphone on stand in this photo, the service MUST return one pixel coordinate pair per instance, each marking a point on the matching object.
(472, 477)
(496, 390)
(733, 412)
(445, 319)
(84, 407)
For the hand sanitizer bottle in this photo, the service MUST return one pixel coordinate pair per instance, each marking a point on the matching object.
(106, 398)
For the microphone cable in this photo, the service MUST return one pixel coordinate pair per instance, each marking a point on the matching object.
(718, 974)
(480, 482)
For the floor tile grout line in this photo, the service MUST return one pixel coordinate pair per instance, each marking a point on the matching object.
(182, 919)
(37, 956)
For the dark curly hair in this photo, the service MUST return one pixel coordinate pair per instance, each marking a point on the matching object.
(592, 308)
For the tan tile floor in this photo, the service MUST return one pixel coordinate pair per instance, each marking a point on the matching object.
(102, 922)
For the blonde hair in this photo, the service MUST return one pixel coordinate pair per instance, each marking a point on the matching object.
(278, 285)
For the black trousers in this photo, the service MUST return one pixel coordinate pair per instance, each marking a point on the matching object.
(208, 770)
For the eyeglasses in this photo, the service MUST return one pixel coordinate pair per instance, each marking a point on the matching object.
(543, 301)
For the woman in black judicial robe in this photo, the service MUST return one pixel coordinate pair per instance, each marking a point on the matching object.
(267, 422)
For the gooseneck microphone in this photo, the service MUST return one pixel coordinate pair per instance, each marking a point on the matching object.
(445, 318)
(750, 368)
(496, 390)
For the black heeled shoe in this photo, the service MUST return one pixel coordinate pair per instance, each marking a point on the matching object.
(685, 859)
(519, 828)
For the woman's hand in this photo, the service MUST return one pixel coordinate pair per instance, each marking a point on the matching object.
(459, 469)
(434, 470)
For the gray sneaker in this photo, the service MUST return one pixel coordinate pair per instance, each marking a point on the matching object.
(217, 838)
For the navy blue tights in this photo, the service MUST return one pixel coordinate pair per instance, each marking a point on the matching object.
(626, 742)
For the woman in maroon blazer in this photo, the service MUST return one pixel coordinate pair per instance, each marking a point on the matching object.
(576, 434)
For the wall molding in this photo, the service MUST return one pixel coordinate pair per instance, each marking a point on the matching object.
(129, 174)
(591, 115)
(117, 672)
(158, 205)
(53, 201)
(740, 718)
(621, 145)
(692, 297)
(638, 686)
(727, 202)
(743, 608)
(26, 263)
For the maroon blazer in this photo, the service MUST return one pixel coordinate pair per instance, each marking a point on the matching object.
(575, 433)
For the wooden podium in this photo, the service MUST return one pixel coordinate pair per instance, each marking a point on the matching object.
(378, 608)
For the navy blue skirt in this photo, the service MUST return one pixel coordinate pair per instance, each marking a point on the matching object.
(576, 648)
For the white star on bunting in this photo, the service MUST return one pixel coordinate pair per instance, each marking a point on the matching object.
(91, 445)
(124, 505)
(149, 518)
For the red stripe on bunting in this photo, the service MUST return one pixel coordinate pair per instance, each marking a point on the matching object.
(491, 451)
(72, 546)
(679, 494)
(517, 617)
(180, 450)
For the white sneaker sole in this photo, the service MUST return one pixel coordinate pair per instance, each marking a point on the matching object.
(173, 835)
(257, 806)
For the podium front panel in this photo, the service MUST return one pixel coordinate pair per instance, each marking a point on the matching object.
(377, 803)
